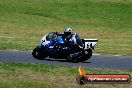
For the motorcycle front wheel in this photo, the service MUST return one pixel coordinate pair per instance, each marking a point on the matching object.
(38, 54)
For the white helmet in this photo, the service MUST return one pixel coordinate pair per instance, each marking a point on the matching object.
(68, 30)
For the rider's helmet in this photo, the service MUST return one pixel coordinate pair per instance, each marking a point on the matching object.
(68, 31)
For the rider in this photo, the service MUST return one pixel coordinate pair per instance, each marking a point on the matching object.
(72, 40)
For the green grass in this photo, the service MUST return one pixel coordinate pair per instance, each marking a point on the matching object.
(23, 23)
(25, 75)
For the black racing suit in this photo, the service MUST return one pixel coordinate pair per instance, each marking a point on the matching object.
(73, 43)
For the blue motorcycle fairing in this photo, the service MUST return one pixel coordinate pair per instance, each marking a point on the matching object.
(60, 40)
(41, 46)
(49, 44)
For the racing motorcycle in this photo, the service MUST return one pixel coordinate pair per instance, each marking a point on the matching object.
(53, 46)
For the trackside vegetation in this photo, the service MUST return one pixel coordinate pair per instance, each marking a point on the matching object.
(26, 75)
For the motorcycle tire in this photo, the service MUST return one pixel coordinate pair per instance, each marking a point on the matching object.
(86, 56)
(38, 54)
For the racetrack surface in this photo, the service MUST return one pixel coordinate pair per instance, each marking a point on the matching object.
(96, 61)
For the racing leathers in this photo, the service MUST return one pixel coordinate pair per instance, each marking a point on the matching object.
(73, 43)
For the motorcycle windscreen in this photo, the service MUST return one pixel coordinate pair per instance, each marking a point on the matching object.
(45, 41)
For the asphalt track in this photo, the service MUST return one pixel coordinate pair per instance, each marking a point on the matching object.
(96, 61)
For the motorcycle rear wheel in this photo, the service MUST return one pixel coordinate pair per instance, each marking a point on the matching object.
(86, 55)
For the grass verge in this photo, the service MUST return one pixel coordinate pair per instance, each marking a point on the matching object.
(25, 75)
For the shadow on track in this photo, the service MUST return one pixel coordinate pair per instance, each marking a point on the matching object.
(63, 60)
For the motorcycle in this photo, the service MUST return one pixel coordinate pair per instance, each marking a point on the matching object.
(53, 46)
